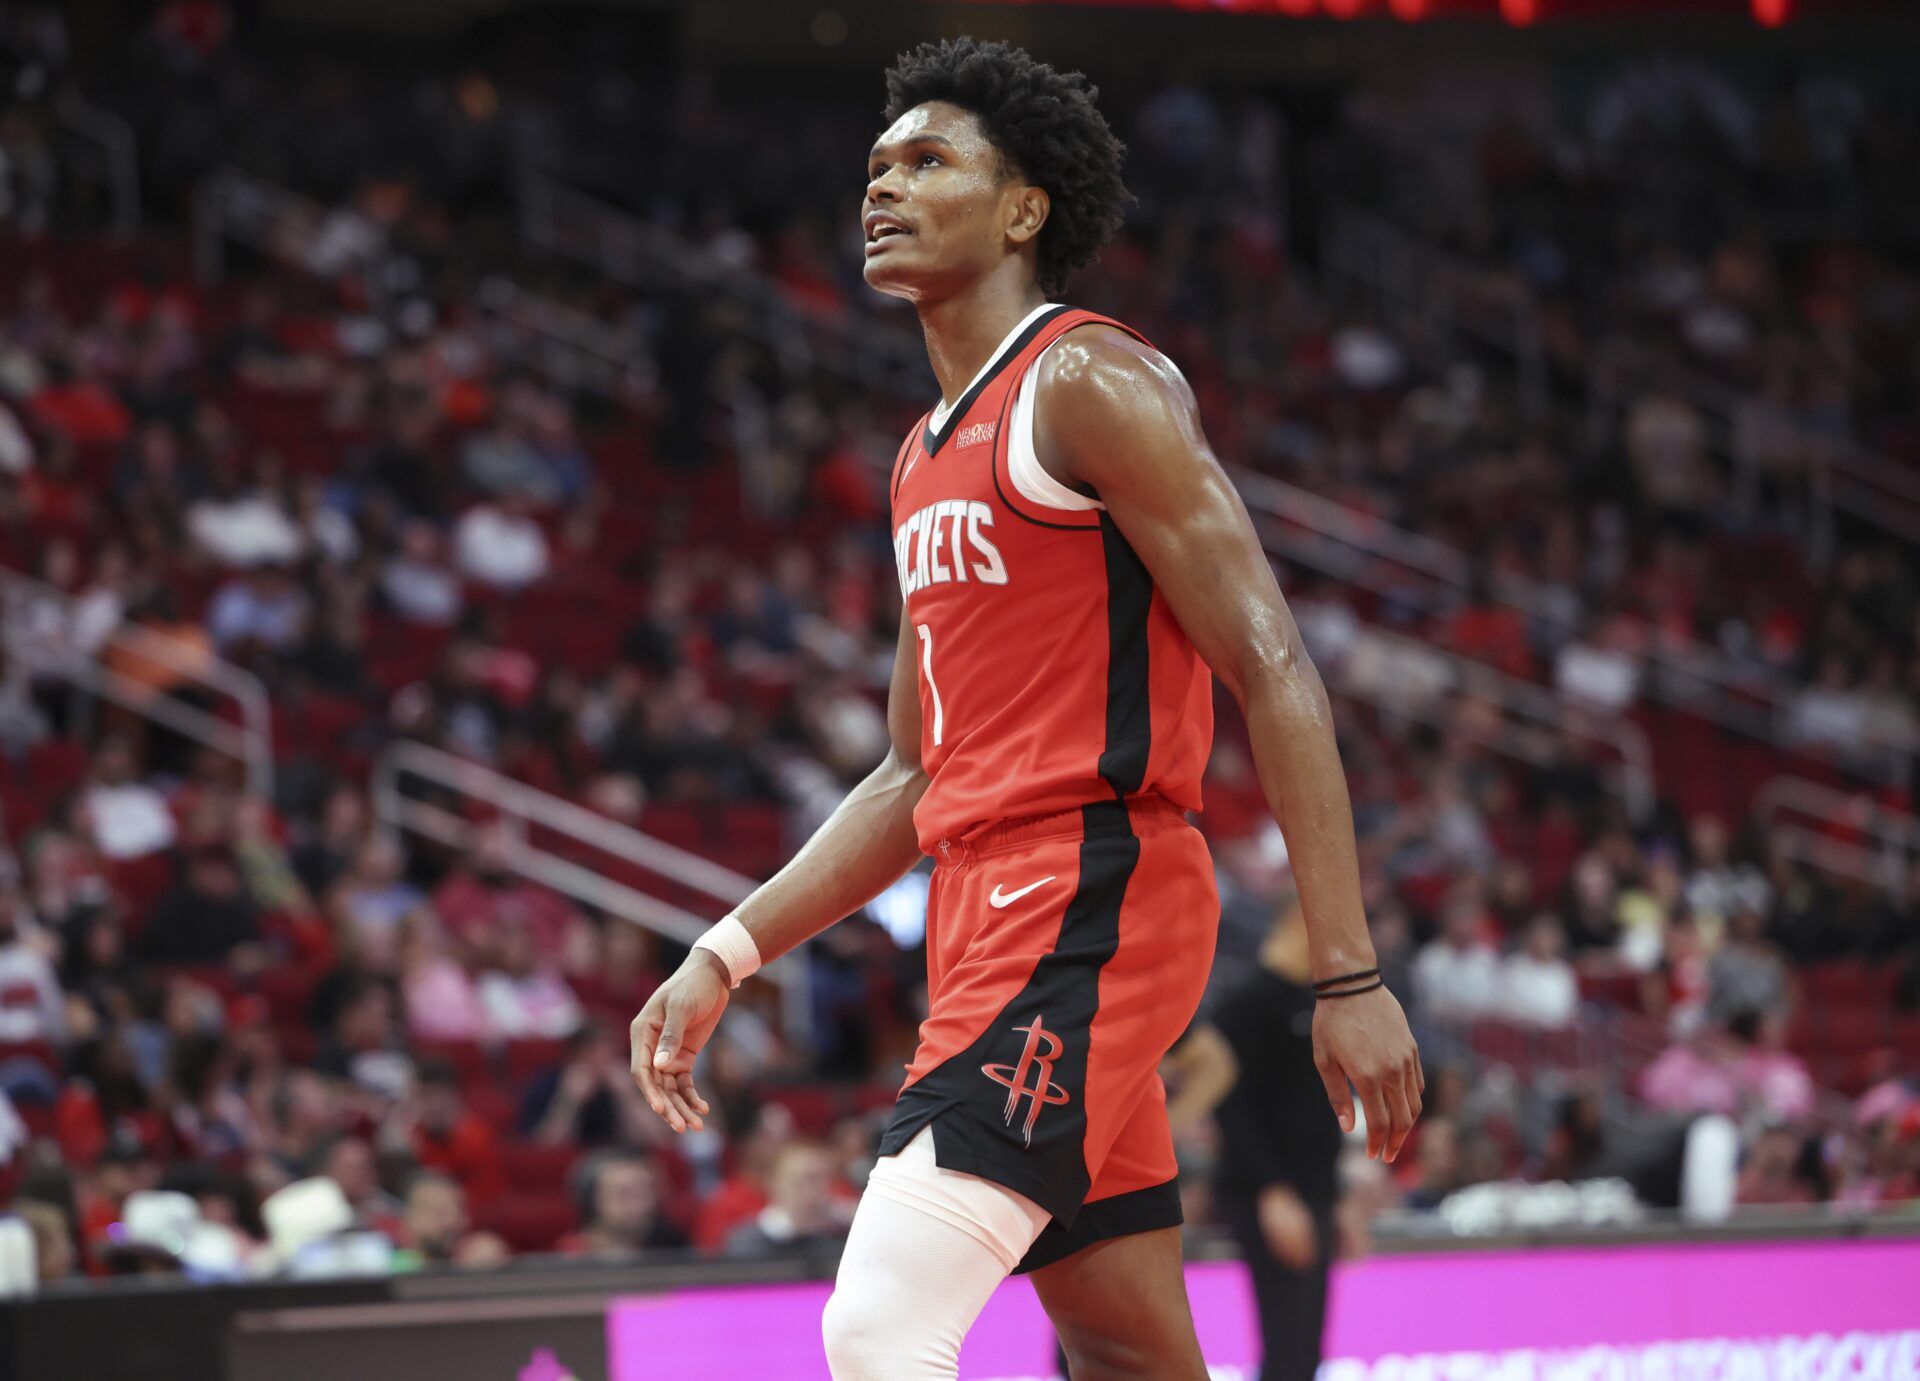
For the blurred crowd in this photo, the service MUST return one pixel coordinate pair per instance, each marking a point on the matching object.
(249, 1029)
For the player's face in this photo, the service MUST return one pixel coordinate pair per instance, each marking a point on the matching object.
(939, 204)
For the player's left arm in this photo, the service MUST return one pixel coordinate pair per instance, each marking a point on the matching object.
(1117, 418)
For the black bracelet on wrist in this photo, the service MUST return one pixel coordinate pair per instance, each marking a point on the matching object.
(1354, 992)
(1344, 978)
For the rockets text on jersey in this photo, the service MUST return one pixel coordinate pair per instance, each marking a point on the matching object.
(948, 540)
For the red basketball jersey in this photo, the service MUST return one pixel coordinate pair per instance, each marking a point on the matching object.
(1051, 671)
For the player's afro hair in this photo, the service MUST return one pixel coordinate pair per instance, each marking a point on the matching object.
(1045, 123)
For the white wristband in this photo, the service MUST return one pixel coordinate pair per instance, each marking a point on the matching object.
(733, 944)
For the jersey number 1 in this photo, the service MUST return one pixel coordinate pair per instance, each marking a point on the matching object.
(926, 667)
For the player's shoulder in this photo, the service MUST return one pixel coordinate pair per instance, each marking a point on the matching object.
(1098, 371)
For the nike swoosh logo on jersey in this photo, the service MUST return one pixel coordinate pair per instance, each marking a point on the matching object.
(909, 465)
(998, 899)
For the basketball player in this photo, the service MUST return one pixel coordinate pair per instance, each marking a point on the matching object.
(1076, 568)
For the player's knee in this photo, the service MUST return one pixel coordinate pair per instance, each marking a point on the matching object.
(863, 1336)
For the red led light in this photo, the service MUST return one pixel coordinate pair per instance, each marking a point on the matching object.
(1519, 11)
(1410, 10)
(1342, 9)
(1772, 13)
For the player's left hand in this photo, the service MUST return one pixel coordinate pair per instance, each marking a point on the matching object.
(1364, 1041)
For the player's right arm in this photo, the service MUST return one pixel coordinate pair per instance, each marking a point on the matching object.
(864, 846)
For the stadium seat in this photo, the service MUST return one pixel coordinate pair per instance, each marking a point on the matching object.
(1839, 984)
(529, 1221)
(468, 1058)
(531, 1167)
(530, 1057)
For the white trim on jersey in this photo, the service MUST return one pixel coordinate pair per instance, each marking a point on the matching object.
(1023, 464)
(942, 410)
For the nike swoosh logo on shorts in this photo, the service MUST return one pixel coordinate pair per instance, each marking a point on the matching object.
(999, 899)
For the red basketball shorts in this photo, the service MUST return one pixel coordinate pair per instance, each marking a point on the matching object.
(1065, 954)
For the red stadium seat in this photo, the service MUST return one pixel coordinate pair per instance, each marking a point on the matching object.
(815, 1107)
(1851, 1030)
(529, 1222)
(532, 1168)
(1906, 1041)
(528, 1058)
(56, 765)
(493, 1105)
(468, 1058)
(1841, 983)
(140, 882)
(288, 992)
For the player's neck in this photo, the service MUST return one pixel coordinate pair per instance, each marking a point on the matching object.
(964, 330)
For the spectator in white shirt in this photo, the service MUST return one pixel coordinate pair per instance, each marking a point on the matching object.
(524, 998)
(128, 818)
(31, 1005)
(417, 582)
(499, 544)
(16, 447)
(1537, 984)
(243, 527)
(1457, 974)
(102, 606)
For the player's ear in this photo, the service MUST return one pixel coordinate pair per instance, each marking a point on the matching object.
(1027, 213)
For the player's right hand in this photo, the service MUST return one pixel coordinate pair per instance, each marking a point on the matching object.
(1364, 1039)
(671, 1031)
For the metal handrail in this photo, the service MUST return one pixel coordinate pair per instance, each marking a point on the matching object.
(569, 346)
(1444, 290)
(1444, 293)
(1347, 651)
(1898, 833)
(250, 741)
(1351, 550)
(1398, 268)
(542, 333)
(577, 225)
(523, 806)
(229, 205)
(120, 152)
(1844, 474)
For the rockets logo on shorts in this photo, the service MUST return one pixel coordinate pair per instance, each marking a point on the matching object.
(1035, 1062)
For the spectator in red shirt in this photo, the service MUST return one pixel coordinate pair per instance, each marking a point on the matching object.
(447, 1136)
(743, 1194)
(1490, 632)
(80, 407)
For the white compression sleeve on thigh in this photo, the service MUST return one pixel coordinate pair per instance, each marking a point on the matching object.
(1002, 1218)
(927, 1249)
